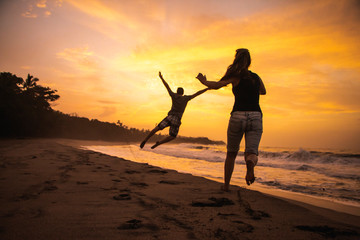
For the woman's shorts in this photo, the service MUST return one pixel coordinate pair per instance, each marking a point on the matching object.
(248, 123)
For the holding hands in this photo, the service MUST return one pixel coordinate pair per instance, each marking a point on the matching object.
(201, 77)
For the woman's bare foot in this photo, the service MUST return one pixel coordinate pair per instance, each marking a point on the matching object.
(250, 176)
(225, 188)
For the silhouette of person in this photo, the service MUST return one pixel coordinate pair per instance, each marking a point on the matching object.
(173, 119)
(246, 115)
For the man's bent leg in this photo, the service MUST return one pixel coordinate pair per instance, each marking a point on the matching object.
(165, 140)
(149, 136)
(251, 160)
(228, 169)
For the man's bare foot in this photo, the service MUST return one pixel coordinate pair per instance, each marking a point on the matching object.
(142, 144)
(155, 145)
(250, 176)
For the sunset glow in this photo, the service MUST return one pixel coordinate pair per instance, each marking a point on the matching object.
(103, 57)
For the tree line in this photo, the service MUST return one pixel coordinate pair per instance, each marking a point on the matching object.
(25, 111)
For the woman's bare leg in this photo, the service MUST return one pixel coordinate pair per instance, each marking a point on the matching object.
(251, 161)
(228, 169)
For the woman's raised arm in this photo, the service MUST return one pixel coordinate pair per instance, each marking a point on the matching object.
(213, 84)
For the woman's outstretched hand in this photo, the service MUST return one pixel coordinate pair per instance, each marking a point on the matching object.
(201, 77)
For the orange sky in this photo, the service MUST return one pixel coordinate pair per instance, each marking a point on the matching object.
(103, 57)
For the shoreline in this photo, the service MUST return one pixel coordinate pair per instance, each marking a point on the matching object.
(53, 190)
(302, 198)
(321, 205)
(315, 201)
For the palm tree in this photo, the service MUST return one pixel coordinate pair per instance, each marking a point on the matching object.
(38, 96)
(30, 82)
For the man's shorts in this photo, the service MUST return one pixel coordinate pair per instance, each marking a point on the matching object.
(173, 121)
(248, 123)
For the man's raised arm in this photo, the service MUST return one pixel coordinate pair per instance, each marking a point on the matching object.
(166, 85)
(198, 93)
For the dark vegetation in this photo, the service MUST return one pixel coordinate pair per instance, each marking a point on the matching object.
(25, 111)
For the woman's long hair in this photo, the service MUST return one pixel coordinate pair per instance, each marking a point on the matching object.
(240, 65)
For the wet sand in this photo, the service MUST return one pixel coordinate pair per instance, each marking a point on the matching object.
(52, 190)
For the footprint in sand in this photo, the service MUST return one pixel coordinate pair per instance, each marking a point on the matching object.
(108, 189)
(134, 224)
(122, 196)
(170, 182)
(82, 183)
(227, 214)
(158, 171)
(328, 232)
(68, 167)
(26, 212)
(63, 157)
(139, 184)
(243, 227)
(28, 196)
(131, 171)
(255, 214)
(131, 224)
(49, 186)
(34, 191)
(212, 202)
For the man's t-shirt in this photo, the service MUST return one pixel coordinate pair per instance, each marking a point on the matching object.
(178, 104)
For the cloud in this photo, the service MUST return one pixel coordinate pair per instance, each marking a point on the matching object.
(59, 3)
(127, 22)
(107, 111)
(104, 11)
(25, 67)
(29, 13)
(41, 4)
(109, 102)
(81, 56)
(42, 8)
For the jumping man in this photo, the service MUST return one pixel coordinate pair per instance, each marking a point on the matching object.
(173, 119)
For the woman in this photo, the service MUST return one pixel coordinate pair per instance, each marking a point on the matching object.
(246, 115)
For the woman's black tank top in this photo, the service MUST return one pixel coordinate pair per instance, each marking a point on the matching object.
(247, 93)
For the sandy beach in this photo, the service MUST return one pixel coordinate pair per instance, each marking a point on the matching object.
(50, 189)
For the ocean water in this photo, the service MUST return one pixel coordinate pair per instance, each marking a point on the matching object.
(329, 174)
